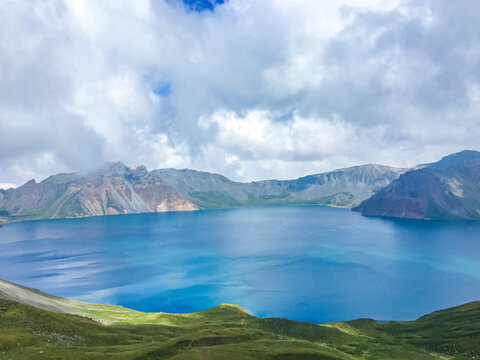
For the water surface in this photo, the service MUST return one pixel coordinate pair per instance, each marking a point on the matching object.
(306, 263)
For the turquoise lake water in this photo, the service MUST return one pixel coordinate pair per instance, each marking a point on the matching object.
(305, 263)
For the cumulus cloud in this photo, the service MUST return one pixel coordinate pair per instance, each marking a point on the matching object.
(251, 89)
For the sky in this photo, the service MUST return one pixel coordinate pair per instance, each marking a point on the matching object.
(246, 88)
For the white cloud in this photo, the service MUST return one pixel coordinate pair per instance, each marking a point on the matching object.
(6, 186)
(258, 135)
(255, 89)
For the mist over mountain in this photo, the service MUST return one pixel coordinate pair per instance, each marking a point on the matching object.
(447, 189)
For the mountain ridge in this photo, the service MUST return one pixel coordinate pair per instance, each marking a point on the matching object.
(448, 189)
(118, 189)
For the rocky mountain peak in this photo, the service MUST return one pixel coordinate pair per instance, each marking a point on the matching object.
(447, 189)
(461, 159)
(30, 183)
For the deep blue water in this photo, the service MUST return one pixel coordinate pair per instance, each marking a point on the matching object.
(305, 263)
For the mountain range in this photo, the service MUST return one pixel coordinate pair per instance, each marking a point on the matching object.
(448, 189)
(117, 189)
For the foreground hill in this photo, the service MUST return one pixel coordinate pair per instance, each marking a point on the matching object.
(447, 189)
(34, 325)
(116, 188)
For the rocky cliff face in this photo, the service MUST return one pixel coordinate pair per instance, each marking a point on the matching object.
(113, 189)
(448, 189)
(118, 189)
(345, 187)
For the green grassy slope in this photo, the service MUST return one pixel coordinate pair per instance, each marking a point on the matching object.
(215, 200)
(224, 332)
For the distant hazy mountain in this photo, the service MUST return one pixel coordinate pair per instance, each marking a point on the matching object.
(118, 189)
(345, 187)
(447, 189)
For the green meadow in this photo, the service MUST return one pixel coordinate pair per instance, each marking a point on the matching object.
(228, 332)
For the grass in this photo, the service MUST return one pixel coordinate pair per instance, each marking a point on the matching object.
(219, 200)
(228, 332)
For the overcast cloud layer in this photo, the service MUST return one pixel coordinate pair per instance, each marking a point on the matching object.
(252, 90)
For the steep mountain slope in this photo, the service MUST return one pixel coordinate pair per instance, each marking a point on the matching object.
(35, 325)
(447, 189)
(118, 189)
(344, 187)
(113, 189)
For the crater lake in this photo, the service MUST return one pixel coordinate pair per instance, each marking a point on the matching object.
(307, 263)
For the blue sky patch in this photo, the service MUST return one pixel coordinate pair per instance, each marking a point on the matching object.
(202, 5)
(162, 89)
